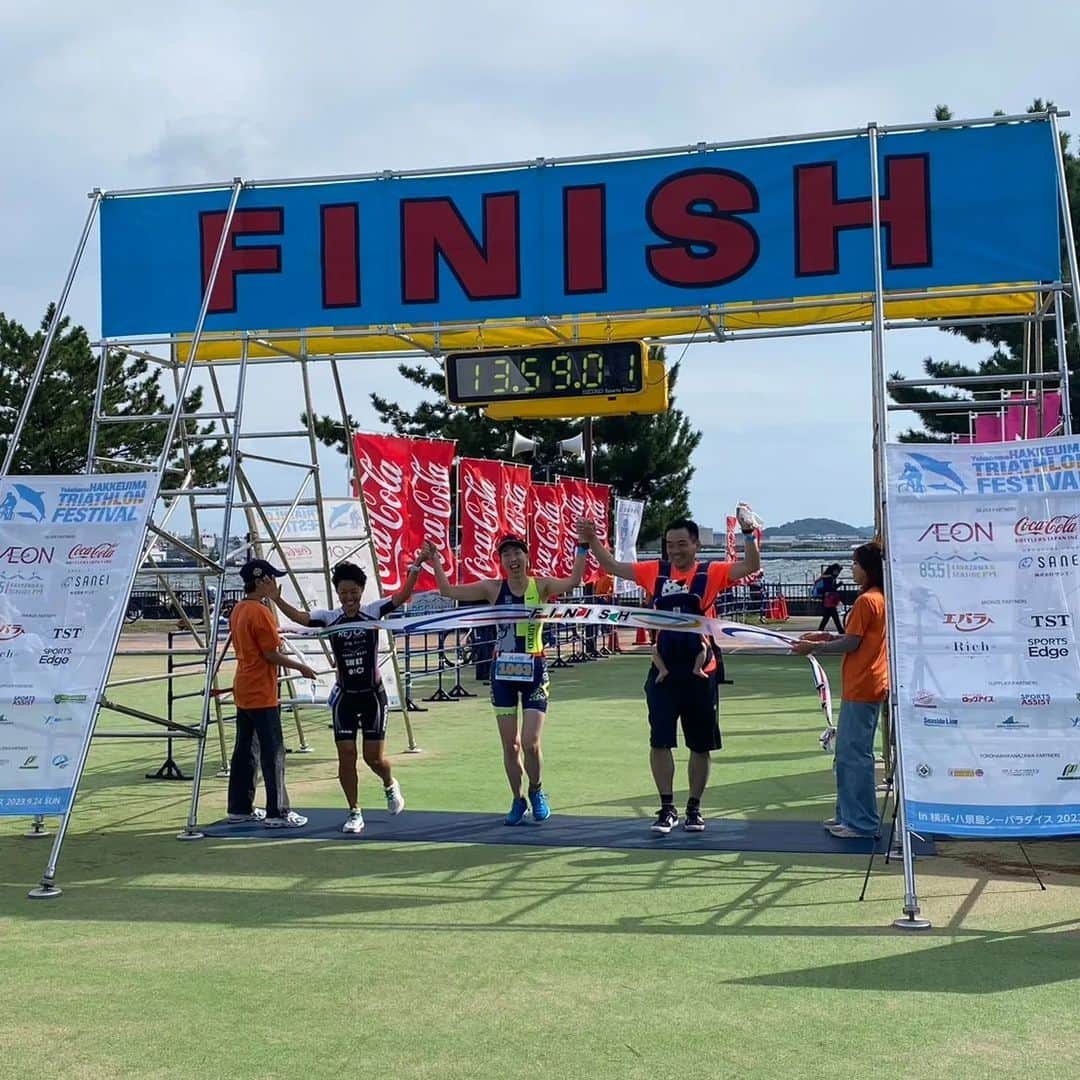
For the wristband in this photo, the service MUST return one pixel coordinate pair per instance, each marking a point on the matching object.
(583, 549)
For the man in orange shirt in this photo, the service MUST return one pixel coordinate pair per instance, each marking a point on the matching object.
(257, 644)
(681, 583)
(864, 676)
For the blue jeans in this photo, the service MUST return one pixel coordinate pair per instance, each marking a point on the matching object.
(856, 799)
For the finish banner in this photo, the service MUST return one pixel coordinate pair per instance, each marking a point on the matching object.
(984, 550)
(69, 549)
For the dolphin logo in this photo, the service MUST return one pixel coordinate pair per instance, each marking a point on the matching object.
(35, 499)
(340, 513)
(942, 469)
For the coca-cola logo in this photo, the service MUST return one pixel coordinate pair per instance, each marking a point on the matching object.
(383, 484)
(479, 523)
(297, 551)
(431, 495)
(101, 553)
(515, 505)
(1045, 530)
(546, 533)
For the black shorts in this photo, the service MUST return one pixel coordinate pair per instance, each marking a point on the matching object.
(356, 711)
(689, 698)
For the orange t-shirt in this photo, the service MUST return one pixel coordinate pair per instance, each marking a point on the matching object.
(864, 673)
(254, 632)
(718, 578)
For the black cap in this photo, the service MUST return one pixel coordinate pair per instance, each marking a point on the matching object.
(509, 541)
(257, 569)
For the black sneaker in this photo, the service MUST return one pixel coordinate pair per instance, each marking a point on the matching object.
(694, 821)
(666, 820)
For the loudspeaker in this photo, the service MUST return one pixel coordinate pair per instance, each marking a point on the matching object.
(521, 445)
(575, 447)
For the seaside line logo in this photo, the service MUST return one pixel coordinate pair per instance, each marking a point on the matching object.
(1046, 530)
(941, 567)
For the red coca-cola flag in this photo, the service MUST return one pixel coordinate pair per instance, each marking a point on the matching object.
(430, 503)
(514, 495)
(575, 495)
(545, 529)
(479, 496)
(597, 509)
(729, 539)
(383, 464)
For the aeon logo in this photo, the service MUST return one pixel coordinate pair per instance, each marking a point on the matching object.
(958, 532)
(27, 556)
(968, 622)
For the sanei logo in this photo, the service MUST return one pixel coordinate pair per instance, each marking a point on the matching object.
(958, 532)
(10, 631)
(1057, 565)
(967, 622)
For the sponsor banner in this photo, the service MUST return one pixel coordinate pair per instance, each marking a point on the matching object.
(69, 549)
(984, 553)
(298, 536)
(515, 482)
(647, 232)
(384, 467)
(481, 516)
(545, 529)
(575, 503)
(628, 515)
(598, 510)
(430, 503)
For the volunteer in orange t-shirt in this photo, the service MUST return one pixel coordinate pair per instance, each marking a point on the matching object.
(865, 684)
(257, 645)
(674, 691)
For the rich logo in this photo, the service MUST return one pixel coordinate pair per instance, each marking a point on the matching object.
(1057, 621)
(10, 631)
(1034, 700)
(970, 648)
(21, 501)
(923, 473)
(968, 622)
(1046, 530)
(958, 532)
(942, 567)
(27, 556)
(66, 633)
(1047, 648)
(967, 774)
(1070, 771)
(82, 555)
(977, 699)
(1010, 723)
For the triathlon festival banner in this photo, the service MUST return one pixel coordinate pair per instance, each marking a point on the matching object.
(346, 541)
(985, 557)
(628, 515)
(69, 549)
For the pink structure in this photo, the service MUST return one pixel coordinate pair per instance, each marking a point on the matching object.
(1013, 422)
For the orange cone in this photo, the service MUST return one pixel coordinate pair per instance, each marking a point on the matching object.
(642, 636)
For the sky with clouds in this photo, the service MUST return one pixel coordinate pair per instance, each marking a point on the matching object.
(128, 95)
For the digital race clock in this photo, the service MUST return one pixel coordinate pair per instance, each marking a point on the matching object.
(546, 372)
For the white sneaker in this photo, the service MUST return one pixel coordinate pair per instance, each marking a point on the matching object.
(292, 820)
(354, 823)
(257, 814)
(395, 801)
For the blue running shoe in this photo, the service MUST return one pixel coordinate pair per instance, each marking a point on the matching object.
(540, 809)
(518, 809)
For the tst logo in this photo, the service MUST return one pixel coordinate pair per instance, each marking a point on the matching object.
(1057, 621)
(66, 633)
(967, 622)
(958, 532)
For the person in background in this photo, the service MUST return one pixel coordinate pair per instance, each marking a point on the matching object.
(827, 590)
(864, 686)
(358, 700)
(519, 669)
(257, 643)
(679, 582)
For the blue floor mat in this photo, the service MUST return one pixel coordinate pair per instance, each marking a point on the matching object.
(563, 830)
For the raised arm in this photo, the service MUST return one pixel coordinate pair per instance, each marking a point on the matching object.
(750, 563)
(550, 587)
(607, 561)
(401, 597)
(477, 591)
(301, 618)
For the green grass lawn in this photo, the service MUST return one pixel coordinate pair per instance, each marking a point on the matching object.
(239, 959)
